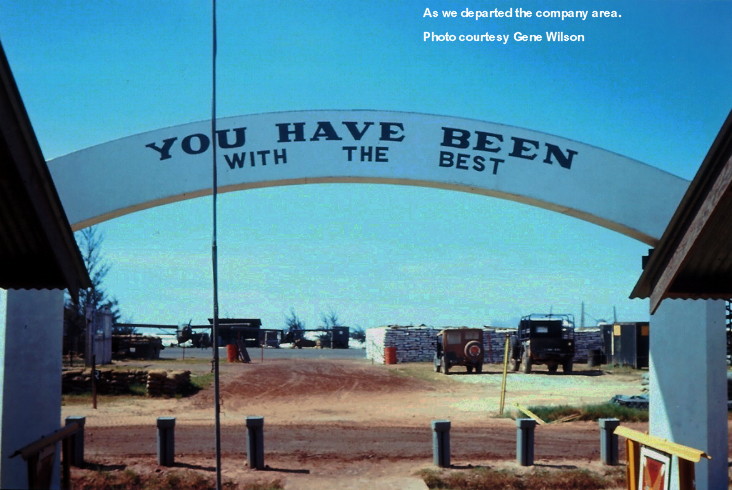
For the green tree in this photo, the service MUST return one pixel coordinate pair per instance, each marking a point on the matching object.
(294, 327)
(358, 334)
(330, 319)
(93, 299)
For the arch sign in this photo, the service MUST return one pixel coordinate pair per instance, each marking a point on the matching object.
(285, 148)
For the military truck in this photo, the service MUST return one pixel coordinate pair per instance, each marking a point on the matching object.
(544, 339)
(459, 347)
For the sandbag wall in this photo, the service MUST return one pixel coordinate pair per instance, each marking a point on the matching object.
(494, 340)
(413, 344)
(587, 340)
(417, 344)
(117, 382)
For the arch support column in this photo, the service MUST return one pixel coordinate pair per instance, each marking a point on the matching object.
(688, 383)
(30, 376)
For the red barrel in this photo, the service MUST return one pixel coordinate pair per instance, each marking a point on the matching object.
(232, 353)
(390, 355)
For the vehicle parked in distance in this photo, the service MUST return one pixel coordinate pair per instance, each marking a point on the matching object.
(459, 347)
(544, 339)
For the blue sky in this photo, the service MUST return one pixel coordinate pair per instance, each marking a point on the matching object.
(651, 85)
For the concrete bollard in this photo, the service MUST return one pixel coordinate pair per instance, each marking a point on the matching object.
(525, 441)
(166, 441)
(76, 456)
(255, 442)
(441, 443)
(609, 441)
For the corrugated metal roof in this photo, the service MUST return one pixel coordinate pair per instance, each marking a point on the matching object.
(37, 247)
(693, 259)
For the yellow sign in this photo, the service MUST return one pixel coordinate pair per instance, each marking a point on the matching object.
(647, 469)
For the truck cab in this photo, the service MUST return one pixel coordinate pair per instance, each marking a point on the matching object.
(544, 339)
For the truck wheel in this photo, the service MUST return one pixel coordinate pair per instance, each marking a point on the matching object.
(515, 363)
(479, 368)
(552, 367)
(445, 367)
(473, 350)
(515, 349)
(469, 369)
(567, 367)
(526, 362)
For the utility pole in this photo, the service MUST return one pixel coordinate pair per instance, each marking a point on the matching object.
(214, 255)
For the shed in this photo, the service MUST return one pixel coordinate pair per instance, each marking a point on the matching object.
(629, 343)
(232, 330)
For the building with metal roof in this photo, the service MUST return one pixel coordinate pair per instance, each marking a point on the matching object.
(39, 259)
(693, 259)
(688, 277)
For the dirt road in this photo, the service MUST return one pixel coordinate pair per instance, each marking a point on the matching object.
(349, 421)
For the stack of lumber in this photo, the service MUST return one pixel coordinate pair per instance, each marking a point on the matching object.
(109, 381)
(76, 380)
(162, 383)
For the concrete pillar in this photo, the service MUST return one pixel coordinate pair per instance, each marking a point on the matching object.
(441, 443)
(255, 442)
(525, 441)
(166, 441)
(688, 383)
(30, 377)
(608, 441)
(76, 458)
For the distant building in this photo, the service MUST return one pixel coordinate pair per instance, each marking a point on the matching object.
(247, 330)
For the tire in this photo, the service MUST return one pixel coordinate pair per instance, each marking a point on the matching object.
(473, 350)
(526, 362)
(469, 368)
(515, 363)
(445, 367)
(515, 350)
(567, 367)
(552, 367)
(479, 368)
(595, 358)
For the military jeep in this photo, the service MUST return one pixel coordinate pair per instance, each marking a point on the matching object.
(459, 347)
(544, 339)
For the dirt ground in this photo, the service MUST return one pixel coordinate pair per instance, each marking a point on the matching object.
(347, 423)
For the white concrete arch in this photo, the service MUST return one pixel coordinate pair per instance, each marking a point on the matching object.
(274, 149)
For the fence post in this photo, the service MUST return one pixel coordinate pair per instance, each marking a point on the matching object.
(525, 441)
(76, 453)
(166, 441)
(609, 441)
(441, 443)
(255, 442)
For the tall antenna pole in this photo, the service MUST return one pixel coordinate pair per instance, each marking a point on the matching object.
(582, 318)
(214, 256)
